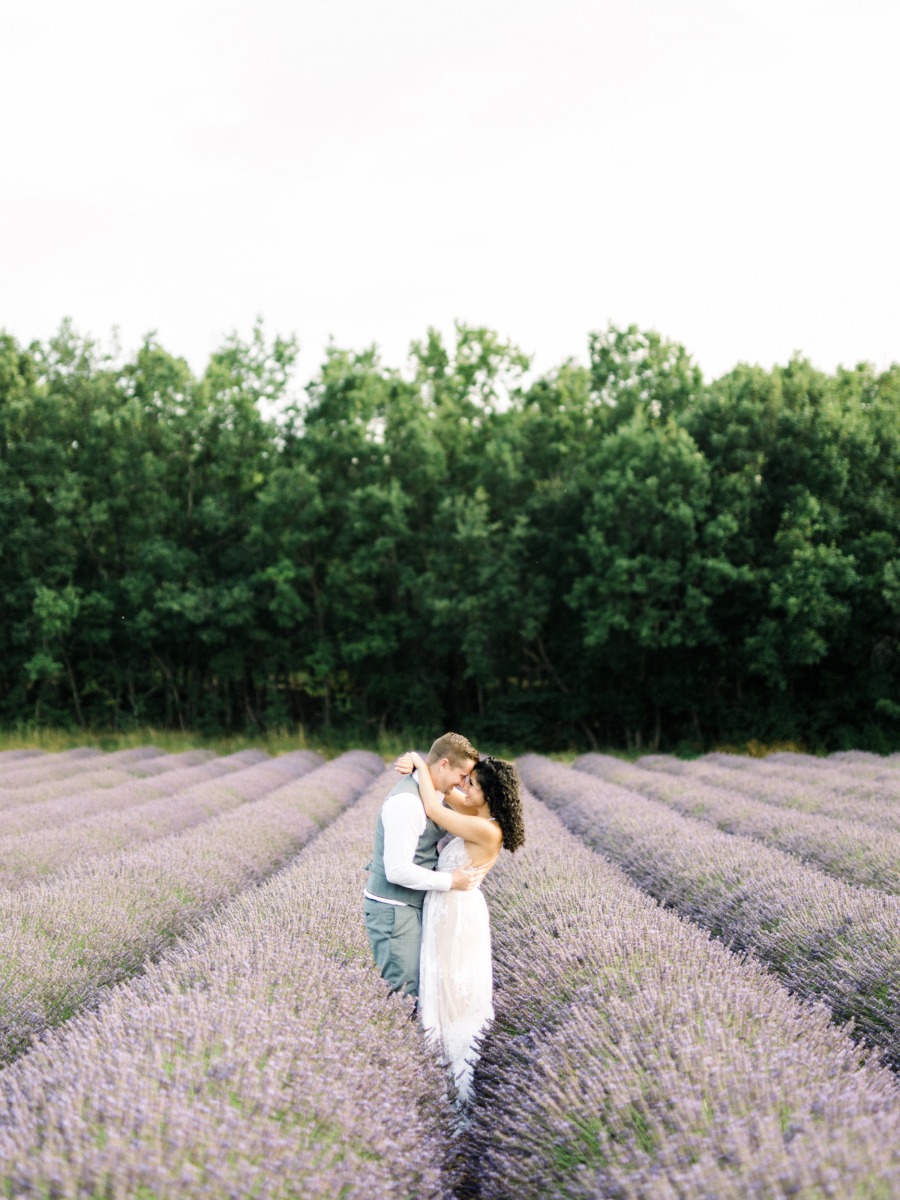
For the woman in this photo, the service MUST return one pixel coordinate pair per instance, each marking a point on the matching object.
(455, 973)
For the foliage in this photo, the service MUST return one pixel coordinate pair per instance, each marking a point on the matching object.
(618, 554)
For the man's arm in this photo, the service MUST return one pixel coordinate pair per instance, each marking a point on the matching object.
(404, 819)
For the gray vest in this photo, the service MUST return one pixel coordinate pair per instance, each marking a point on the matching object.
(426, 855)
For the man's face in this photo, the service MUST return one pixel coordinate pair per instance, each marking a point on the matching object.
(468, 797)
(448, 775)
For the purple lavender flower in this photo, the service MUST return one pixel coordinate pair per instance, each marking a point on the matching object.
(631, 1056)
(845, 848)
(826, 939)
(261, 1056)
(62, 942)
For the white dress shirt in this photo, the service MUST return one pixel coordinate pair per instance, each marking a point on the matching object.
(404, 820)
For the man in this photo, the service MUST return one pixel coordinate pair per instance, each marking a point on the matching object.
(404, 860)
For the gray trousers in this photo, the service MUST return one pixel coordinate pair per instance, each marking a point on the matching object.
(395, 935)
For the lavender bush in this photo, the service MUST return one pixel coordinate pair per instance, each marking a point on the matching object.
(54, 811)
(827, 940)
(852, 764)
(827, 775)
(66, 764)
(261, 1057)
(73, 755)
(846, 849)
(857, 758)
(187, 758)
(632, 1057)
(57, 779)
(874, 803)
(33, 855)
(64, 941)
(59, 784)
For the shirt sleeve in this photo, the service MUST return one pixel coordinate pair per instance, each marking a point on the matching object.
(404, 821)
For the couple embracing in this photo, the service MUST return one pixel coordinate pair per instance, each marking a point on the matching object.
(425, 913)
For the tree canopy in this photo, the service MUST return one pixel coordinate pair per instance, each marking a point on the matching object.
(613, 554)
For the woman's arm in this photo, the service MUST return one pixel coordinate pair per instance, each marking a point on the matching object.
(471, 829)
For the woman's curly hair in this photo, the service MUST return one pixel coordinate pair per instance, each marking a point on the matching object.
(499, 780)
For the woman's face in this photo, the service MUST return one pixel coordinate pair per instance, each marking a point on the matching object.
(474, 794)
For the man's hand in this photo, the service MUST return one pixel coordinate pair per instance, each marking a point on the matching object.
(464, 878)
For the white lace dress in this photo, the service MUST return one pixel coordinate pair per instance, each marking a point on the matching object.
(455, 972)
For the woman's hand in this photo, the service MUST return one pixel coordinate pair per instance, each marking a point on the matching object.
(404, 764)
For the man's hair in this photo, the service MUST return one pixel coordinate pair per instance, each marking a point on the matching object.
(454, 747)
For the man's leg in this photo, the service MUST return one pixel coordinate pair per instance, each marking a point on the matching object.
(395, 935)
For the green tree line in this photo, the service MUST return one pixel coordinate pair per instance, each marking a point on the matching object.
(613, 554)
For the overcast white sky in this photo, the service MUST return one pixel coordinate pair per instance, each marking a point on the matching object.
(724, 171)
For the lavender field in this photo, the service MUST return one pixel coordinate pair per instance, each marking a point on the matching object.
(697, 977)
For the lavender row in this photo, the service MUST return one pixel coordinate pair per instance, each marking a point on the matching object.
(835, 771)
(60, 784)
(171, 1092)
(33, 855)
(853, 764)
(68, 763)
(865, 757)
(72, 755)
(261, 1057)
(827, 940)
(846, 849)
(57, 810)
(191, 758)
(825, 783)
(633, 1057)
(874, 802)
(877, 811)
(64, 941)
(103, 776)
